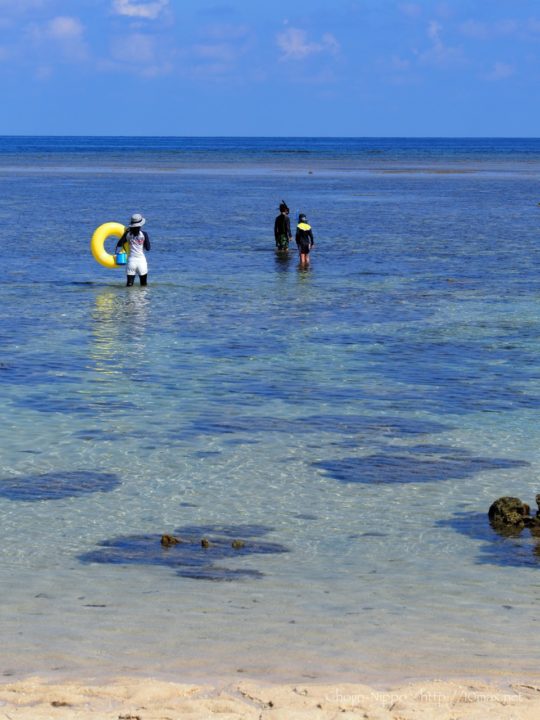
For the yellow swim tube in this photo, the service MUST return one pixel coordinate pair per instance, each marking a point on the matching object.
(97, 243)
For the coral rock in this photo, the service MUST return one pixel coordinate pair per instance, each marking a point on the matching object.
(509, 512)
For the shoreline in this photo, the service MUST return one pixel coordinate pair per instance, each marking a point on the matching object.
(152, 699)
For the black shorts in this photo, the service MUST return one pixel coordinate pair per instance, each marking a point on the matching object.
(304, 249)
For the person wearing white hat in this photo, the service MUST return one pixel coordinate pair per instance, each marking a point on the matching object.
(135, 241)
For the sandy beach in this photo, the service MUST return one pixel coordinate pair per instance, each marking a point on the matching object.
(133, 699)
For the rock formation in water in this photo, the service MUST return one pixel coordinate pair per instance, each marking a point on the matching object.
(510, 515)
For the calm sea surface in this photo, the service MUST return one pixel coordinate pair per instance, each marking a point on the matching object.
(350, 424)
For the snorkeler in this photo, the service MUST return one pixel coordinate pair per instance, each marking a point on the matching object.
(282, 228)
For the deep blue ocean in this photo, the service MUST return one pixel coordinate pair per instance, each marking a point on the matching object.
(349, 424)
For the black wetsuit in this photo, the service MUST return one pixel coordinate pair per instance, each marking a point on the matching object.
(304, 238)
(282, 231)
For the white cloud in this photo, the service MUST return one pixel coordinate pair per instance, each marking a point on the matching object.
(439, 53)
(135, 49)
(219, 51)
(65, 28)
(501, 71)
(222, 46)
(62, 29)
(294, 44)
(131, 8)
(136, 53)
(61, 36)
(434, 33)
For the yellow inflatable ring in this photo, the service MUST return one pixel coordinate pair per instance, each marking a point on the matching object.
(97, 243)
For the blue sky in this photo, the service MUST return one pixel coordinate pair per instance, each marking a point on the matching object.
(296, 67)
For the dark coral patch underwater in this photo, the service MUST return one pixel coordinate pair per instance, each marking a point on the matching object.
(519, 550)
(350, 427)
(194, 554)
(408, 467)
(56, 485)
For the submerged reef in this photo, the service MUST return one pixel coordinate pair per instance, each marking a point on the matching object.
(510, 538)
(506, 549)
(413, 464)
(57, 485)
(192, 551)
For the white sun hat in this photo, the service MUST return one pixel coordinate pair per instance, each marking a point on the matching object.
(137, 220)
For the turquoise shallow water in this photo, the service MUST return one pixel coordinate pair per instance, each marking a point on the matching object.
(351, 423)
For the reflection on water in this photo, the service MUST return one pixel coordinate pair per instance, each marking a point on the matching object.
(118, 330)
(282, 260)
(134, 317)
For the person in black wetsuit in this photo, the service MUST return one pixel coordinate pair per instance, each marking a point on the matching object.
(304, 239)
(282, 228)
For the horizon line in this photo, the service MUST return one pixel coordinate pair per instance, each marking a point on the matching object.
(281, 137)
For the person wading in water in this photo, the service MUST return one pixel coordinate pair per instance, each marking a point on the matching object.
(135, 241)
(304, 239)
(282, 228)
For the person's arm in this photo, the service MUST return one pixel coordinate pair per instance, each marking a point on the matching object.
(311, 238)
(121, 242)
(146, 241)
(276, 228)
(288, 227)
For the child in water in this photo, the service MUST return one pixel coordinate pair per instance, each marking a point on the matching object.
(136, 241)
(304, 239)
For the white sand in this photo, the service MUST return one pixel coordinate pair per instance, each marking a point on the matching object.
(128, 699)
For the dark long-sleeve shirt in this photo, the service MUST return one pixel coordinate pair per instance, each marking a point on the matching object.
(304, 236)
(282, 226)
